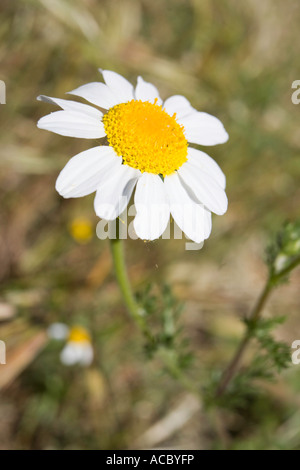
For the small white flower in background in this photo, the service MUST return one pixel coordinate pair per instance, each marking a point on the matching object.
(58, 331)
(147, 147)
(78, 348)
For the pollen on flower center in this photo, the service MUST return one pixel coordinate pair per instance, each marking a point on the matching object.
(146, 137)
(78, 334)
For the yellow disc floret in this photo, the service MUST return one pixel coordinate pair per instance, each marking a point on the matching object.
(146, 137)
(78, 334)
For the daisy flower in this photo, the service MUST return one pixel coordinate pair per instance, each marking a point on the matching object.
(146, 147)
(78, 348)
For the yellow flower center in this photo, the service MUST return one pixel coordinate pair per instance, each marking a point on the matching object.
(146, 137)
(78, 334)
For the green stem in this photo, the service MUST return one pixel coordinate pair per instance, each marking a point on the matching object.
(134, 310)
(122, 278)
(287, 270)
(123, 281)
(231, 369)
(137, 313)
(254, 316)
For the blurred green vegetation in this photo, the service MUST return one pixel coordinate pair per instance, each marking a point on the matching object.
(236, 60)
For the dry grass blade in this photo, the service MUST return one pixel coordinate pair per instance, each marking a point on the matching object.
(20, 357)
(175, 420)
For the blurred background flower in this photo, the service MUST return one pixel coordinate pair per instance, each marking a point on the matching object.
(236, 60)
(58, 331)
(81, 229)
(78, 348)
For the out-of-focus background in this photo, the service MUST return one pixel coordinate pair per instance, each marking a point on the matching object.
(236, 60)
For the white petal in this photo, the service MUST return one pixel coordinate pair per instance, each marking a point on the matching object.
(58, 331)
(98, 94)
(205, 188)
(72, 106)
(203, 129)
(206, 163)
(77, 353)
(152, 207)
(121, 87)
(72, 124)
(178, 104)
(114, 194)
(208, 224)
(87, 354)
(70, 354)
(207, 213)
(83, 174)
(145, 91)
(190, 216)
